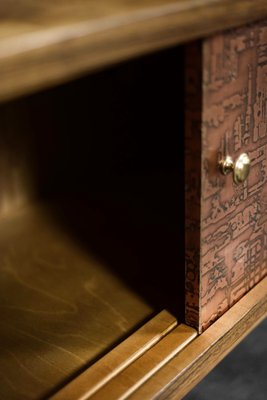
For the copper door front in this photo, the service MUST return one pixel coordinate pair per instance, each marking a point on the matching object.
(226, 223)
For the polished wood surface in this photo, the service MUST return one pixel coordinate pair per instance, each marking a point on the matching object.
(148, 364)
(45, 43)
(119, 358)
(182, 373)
(61, 307)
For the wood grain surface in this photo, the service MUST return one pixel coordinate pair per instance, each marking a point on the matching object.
(144, 367)
(226, 228)
(45, 43)
(119, 358)
(61, 308)
(185, 370)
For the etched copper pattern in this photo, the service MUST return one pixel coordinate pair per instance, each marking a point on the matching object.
(192, 182)
(232, 219)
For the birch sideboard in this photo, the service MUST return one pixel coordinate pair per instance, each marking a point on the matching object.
(133, 193)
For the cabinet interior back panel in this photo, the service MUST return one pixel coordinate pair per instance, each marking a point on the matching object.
(226, 223)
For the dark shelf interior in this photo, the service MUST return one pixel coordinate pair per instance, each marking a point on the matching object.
(92, 211)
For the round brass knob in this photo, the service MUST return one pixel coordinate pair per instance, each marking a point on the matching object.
(240, 167)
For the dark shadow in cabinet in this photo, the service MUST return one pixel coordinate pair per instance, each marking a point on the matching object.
(107, 151)
(92, 217)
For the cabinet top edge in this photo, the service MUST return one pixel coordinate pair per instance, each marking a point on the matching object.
(43, 44)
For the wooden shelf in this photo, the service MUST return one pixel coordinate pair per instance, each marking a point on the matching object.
(61, 307)
(191, 365)
(133, 375)
(178, 361)
(42, 44)
(80, 273)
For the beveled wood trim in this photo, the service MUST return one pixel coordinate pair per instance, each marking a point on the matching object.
(41, 48)
(92, 379)
(185, 370)
(144, 367)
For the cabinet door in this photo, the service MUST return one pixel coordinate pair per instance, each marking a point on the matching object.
(226, 223)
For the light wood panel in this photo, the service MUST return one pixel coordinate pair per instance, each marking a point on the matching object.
(182, 373)
(119, 358)
(43, 43)
(61, 307)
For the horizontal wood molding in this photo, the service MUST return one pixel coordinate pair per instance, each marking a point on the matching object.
(45, 45)
(185, 370)
(142, 369)
(119, 358)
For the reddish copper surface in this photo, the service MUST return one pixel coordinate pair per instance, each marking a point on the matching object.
(231, 219)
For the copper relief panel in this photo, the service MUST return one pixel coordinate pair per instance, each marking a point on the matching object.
(226, 223)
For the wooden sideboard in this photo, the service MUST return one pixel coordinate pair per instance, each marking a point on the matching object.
(130, 265)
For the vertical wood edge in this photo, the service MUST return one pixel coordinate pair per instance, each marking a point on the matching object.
(193, 150)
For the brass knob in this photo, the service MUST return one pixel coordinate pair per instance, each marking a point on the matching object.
(240, 167)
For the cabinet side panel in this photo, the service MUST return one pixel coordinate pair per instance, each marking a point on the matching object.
(193, 108)
(233, 217)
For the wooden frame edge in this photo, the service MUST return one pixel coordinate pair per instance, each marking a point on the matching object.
(192, 364)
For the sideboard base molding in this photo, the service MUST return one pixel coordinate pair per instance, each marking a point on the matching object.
(179, 360)
(190, 366)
